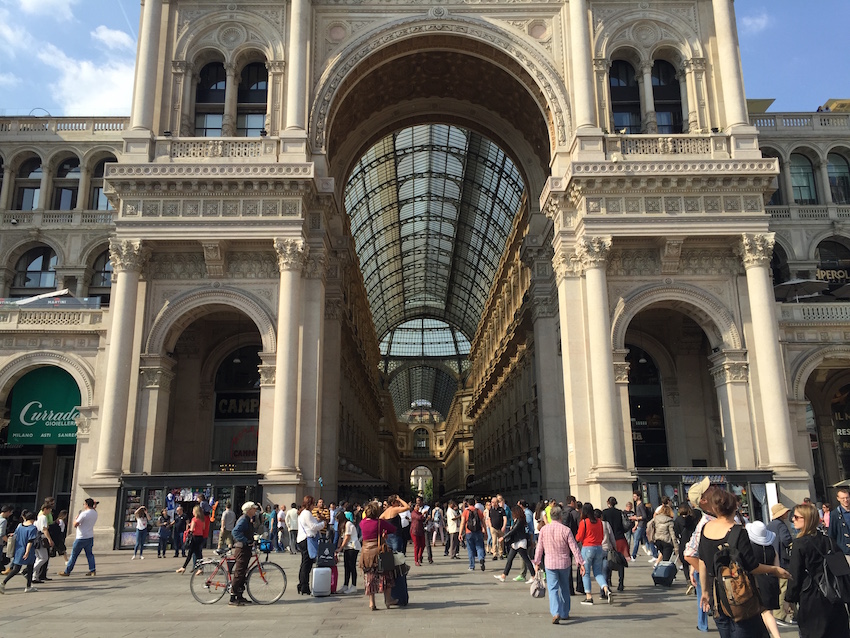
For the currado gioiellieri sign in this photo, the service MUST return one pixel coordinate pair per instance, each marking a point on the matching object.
(44, 408)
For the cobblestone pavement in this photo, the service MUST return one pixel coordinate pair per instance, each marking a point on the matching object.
(146, 598)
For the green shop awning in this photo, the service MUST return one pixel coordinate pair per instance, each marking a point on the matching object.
(44, 408)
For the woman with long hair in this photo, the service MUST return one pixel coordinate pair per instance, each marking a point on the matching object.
(516, 540)
(665, 535)
(307, 542)
(374, 527)
(142, 521)
(817, 617)
(591, 534)
(724, 530)
(392, 514)
(196, 538)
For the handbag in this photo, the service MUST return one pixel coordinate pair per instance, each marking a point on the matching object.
(386, 561)
(537, 589)
(616, 559)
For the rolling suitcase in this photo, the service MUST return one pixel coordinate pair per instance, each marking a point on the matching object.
(664, 573)
(321, 582)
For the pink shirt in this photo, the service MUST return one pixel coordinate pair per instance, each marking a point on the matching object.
(557, 542)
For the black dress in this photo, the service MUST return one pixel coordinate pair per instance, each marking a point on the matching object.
(768, 584)
(817, 618)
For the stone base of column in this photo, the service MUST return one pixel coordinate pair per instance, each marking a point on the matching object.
(794, 485)
(105, 493)
(603, 483)
(744, 142)
(283, 486)
(138, 146)
(588, 145)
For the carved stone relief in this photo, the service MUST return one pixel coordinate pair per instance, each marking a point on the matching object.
(176, 266)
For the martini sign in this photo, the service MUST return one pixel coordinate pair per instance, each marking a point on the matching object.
(44, 408)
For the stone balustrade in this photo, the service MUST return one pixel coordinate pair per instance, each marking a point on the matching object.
(823, 313)
(635, 147)
(21, 319)
(808, 213)
(795, 123)
(63, 126)
(238, 149)
(55, 219)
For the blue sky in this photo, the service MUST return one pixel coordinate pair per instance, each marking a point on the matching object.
(75, 57)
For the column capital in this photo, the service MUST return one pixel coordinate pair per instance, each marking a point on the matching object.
(729, 366)
(291, 253)
(276, 66)
(646, 67)
(156, 377)
(181, 67)
(756, 249)
(601, 64)
(317, 266)
(566, 265)
(593, 251)
(128, 255)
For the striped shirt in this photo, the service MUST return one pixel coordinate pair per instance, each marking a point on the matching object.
(557, 542)
(692, 548)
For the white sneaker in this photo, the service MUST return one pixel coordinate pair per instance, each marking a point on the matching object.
(133, 557)
(29, 589)
(141, 558)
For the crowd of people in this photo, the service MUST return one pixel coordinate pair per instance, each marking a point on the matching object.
(780, 568)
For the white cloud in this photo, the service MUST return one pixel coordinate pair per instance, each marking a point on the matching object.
(85, 87)
(754, 24)
(13, 37)
(8, 80)
(61, 9)
(113, 39)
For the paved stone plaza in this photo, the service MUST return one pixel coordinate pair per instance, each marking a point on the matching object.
(146, 598)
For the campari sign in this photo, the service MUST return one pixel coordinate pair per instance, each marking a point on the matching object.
(44, 408)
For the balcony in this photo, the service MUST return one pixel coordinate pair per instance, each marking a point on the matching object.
(825, 124)
(56, 219)
(68, 128)
(651, 147)
(808, 213)
(826, 313)
(28, 320)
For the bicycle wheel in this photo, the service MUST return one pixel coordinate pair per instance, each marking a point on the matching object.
(266, 583)
(209, 582)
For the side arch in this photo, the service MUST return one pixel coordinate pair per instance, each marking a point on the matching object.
(815, 241)
(652, 29)
(187, 307)
(804, 368)
(705, 309)
(79, 370)
(226, 32)
(534, 62)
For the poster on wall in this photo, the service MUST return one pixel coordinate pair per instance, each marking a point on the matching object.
(44, 408)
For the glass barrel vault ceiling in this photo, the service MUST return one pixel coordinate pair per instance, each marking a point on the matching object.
(431, 209)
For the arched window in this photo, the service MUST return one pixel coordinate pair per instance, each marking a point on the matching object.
(65, 185)
(100, 284)
(97, 200)
(28, 185)
(209, 100)
(625, 98)
(803, 180)
(35, 271)
(839, 178)
(667, 96)
(251, 108)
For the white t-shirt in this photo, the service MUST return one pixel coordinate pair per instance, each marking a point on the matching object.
(142, 522)
(86, 521)
(281, 518)
(292, 519)
(405, 518)
(353, 541)
(451, 523)
(41, 522)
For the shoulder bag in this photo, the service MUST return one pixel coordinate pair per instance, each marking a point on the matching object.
(537, 589)
(386, 560)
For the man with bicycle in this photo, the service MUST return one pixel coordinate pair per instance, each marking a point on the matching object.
(243, 537)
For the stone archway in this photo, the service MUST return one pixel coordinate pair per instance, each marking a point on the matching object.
(79, 370)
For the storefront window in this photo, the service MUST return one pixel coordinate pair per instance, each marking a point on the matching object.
(646, 404)
(237, 411)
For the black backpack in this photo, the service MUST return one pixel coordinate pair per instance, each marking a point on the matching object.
(833, 581)
(473, 522)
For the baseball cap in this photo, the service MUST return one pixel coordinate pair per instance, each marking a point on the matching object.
(697, 490)
(249, 505)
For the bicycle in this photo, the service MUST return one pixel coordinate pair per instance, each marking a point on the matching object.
(211, 578)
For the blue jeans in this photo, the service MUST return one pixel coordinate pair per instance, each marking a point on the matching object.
(141, 537)
(474, 545)
(395, 542)
(702, 617)
(594, 558)
(81, 545)
(558, 584)
(640, 535)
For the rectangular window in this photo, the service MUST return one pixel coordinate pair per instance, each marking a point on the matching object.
(627, 122)
(250, 124)
(208, 124)
(98, 199)
(669, 122)
(65, 199)
(27, 199)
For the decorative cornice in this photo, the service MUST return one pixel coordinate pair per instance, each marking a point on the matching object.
(127, 255)
(756, 249)
(291, 254)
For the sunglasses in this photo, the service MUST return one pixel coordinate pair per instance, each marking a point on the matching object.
(796, 518)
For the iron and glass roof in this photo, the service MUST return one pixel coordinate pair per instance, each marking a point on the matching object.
(431, 209)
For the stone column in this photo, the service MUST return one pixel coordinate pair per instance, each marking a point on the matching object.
(296, 84)
(266, 425)
(584, 102)
(231, 95)
(823, 171)
(756, 251)
(45, 187)
(786, 183)
(292, 255)
(682, 76)
(311, 452)
(647, 99)
(593, 253)
(6, 188)
(731, 77)
(331, 378)
(276, 70)
(605, 115)
(731, 376)
(83, 189)
(127, 257)
(621, 379)
(144, 94)
(185, 124)
(156, 377)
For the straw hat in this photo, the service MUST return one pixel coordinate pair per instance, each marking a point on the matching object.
(759, 534)
(778, 510)
(697, 490)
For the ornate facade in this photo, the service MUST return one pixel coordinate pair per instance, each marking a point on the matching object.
(569, 201)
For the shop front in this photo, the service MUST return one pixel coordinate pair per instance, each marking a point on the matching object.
(38, 445)
(166, 491)
(756, 490)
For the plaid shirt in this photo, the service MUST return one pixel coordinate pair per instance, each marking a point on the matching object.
(692, 548)
(557, 542)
